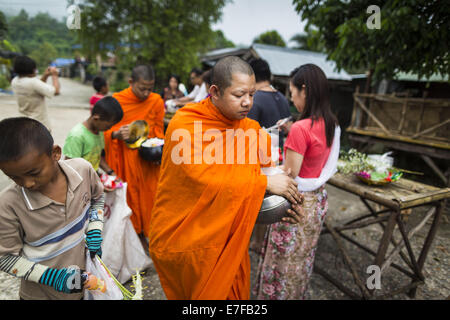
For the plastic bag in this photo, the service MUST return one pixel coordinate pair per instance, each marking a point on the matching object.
(122, 250)
(274, 139)
(112, 292)
(381, 162)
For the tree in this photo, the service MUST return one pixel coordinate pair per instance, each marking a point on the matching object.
(270, 37)
(220, 41)
(414, 36)
(3, 26)
(28, 33)
(308, 41)
(169, 34)
(43, 55)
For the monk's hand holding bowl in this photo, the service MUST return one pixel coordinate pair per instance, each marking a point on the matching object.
(285, 186)
(122, 134)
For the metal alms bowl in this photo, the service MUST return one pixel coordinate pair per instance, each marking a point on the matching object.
(272, 209)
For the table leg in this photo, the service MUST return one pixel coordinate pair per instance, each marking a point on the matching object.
(428, 242)
(384, 243)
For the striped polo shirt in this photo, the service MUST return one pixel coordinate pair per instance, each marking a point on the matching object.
(48, 232)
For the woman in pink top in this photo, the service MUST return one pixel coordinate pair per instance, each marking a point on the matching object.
(288, 251)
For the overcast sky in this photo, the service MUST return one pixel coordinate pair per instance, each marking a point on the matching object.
(242, 20)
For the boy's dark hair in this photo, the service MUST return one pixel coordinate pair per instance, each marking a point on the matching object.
(109, 109)
(20, 135)
(24, 65)
(262, 70)
(98, 83)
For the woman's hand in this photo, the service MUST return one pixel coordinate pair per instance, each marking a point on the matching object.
(285, 127)
(295, 215)
(285, 186)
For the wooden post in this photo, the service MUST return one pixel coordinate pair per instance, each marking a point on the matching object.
(416, 269)
(374, 118)
(384, 243)
(403, 115)
(429, 241)
(349, 262)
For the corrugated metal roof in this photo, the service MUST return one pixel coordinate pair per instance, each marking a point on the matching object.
(283, 60)
(403, 76)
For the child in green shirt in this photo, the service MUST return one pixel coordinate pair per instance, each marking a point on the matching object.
(85, 140)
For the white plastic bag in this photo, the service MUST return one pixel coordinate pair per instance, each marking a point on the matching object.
(122, 250)
(112, 292)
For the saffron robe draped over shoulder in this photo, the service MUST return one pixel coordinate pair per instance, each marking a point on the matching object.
(141, 175)
(205, 212)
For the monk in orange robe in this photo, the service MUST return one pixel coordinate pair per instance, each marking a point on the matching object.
(210, 191)
(138, 103)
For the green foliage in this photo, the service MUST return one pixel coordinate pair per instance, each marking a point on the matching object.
(310, 41)
(270, 37)
(29, 33)
(169, 34)
(220, 41)
(4, 83)
(414, 35)
(3, 26)
(43, 55)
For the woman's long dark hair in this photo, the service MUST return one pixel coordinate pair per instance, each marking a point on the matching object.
(317, 104)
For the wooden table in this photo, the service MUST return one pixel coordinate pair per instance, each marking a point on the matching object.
(396, 197)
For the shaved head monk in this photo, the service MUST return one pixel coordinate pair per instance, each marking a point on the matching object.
(211, 189)
(138, 103)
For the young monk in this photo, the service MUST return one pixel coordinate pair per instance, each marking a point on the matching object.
(138, 103)
(205, 211)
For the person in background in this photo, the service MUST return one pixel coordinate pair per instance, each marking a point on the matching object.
(172, 91)
(101, 89)
(31, 91)
(269, 105)
(138, 103)
(207, 78)
(85, 140)
(288, 253)
(198, 93)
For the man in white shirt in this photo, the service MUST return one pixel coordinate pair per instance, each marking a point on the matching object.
(198, 93)
(31, 91)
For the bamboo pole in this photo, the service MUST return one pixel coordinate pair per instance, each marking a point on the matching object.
(429, 142)
(371, 115)
(433, 166)
(415, 267)
(403, 115)
(411, 233)
(349, 262)
(336, 283)
(373, 253)
(437, 126)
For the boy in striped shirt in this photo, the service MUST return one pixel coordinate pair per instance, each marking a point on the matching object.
(48, 217)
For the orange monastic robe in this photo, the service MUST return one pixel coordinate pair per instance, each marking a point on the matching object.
(204, 214)
(141, 175)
